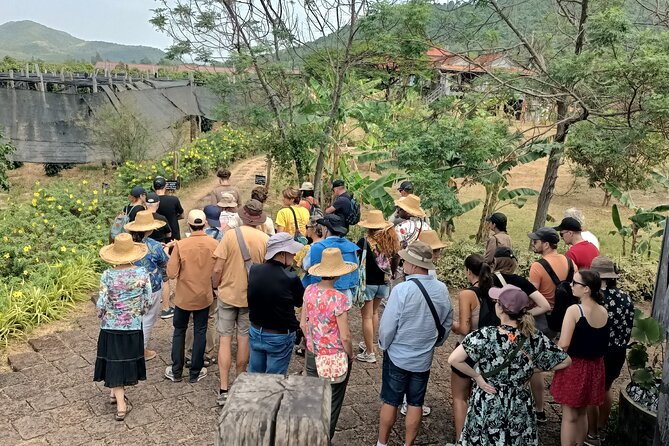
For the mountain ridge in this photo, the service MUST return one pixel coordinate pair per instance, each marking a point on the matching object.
(28, 40)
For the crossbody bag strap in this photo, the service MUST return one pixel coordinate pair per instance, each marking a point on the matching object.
(242, 247)
(501, 278)
(297, 229)
(509, 359)
(440, 328)
(551, 273)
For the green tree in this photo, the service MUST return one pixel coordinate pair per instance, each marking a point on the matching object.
(6, 149)
(125, 133)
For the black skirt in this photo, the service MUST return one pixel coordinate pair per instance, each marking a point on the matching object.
(120, 358)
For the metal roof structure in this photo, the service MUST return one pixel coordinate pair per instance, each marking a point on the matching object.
(53, 127)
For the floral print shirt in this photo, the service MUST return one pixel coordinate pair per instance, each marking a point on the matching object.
(155, 262)
(620, 306)
(323, 307)
(409, 230)
(125, 294)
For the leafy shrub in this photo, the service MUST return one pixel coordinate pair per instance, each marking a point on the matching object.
(53, 169)
(197, 160)
(54, 290)
(637, 276)
(6, 149)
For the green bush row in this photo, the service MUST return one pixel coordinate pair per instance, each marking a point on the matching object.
(211, 150)
(637, 275)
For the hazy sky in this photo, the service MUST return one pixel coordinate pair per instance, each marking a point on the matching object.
(118, 21)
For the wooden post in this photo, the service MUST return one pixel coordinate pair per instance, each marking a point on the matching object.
(661, 314)
(27, 70)
(272, 410)
(95, 83)
(11, 78)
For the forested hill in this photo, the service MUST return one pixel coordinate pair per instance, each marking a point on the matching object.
(27, 40)
(462, 25)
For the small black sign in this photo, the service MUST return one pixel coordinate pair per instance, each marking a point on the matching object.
(261, 180)
(172, 185)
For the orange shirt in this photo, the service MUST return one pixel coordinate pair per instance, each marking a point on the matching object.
(191, 263)
(540, 278)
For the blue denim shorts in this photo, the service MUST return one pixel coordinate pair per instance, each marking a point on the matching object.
(376, 292)
(397, 382)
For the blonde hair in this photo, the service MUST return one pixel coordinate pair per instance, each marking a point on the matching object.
(291, 193)
(526, 324)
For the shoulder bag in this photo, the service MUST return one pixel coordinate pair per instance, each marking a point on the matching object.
(441, 331)
(298, 237)
(359, 296)
(245, 251)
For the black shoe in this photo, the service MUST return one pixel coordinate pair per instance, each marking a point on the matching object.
(541, 417)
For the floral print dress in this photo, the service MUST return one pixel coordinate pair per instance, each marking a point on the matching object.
(323, 307)
(125, 295)
(507, 417)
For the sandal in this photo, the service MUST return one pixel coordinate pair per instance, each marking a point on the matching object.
(120, 415)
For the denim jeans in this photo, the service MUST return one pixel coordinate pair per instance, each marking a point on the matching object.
(180, 322)
(338, 390)
(270, 352)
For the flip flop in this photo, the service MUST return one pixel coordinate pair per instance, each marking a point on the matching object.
(120, 415)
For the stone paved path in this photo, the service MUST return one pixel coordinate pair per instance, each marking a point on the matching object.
(48, 397)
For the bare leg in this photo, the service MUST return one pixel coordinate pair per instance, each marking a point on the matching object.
(242, 354)
(166, 296)
(375, 317)
(605, 411)
(574, 426)
(387, 419)
(592, 413)
(461, 389)
(412, 423)
(119, 393)
(366, 313)
(224, 360)
(537, 386)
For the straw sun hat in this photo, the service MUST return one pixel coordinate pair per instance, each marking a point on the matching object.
(123, 250)
(144, 221)
(375, 220)
(332, 265)
(410, 204)
(431, 238)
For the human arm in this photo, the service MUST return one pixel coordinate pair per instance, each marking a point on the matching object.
(457, 360)
(303, 321)
(281, 222)
(330, 210)
(389, 320)
(467, 302)
(178, 210)
(564, 364)
(490, 247)
(345, 333)
(298, 292)
(217, 273)
(542, 304)
(174, 263)
(568, 326)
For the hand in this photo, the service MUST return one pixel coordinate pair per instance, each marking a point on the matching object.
(483, 384)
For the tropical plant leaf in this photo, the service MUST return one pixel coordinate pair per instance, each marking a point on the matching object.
(661, 179)
(647, 330)
(505, 194)
(637, 357)
(469, 205)
(619, 195)
(615, 216)
(660, 208)
(643, 219)
(644, 377)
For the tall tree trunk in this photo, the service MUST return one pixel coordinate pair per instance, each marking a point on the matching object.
(488, 207)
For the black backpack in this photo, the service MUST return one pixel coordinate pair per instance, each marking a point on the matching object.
(564, 298)
(353, 217)
(487, 315)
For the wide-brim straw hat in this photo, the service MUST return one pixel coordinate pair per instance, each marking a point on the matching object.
(143, 222)
(411, 204)
(419, 254)
(123, 250)
(431, 238)
(374, 220)
(332, 265)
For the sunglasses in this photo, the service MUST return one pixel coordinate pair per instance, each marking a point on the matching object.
(573, 282)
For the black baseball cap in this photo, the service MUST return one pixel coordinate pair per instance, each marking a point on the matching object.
(334, 223)
(504, 251)
(152, 198)
(569, 224)
(545, 234)
(338, 183)
(159, 183)
(498, 219)
(406, 185)
(137, 191)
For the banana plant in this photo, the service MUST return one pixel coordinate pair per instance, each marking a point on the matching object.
(644, 220)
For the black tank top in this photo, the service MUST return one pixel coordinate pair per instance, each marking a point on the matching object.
(588, 342)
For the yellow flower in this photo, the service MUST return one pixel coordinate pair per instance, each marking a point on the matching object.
(25, 272)
(59, 207)
(17, 294)
(5, 238)
(78, 201)
(99, 227)
(95, 191)
(27, 248)
(34, 202)
(63, 249)
(46, 221)
(100, 242)
(71, 196)
(85, 182)
(21, 231)
(90, 208)
(6, 256)
(33, 224)
(74, 250)
(79, 209)
(36, 194)
(51, 199)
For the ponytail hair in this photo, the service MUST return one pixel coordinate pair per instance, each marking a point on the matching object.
(592, 280)
(525, 322)
(477, 265)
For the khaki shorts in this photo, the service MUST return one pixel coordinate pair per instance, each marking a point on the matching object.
(229, 317)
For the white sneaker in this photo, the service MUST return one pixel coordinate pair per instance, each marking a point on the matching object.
(426, 410)
(362, 346)
(366, 357)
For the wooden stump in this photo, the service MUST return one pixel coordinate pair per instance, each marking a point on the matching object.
(272, 410)
(636, 424)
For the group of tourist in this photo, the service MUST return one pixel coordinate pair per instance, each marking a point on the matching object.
(288, 286)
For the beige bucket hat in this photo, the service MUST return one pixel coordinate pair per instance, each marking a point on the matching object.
(227, 201)
(419, 254)
(374, 220)
(123, 250)
(411, 204)
(431, 238)
(332, 265)
(605, 267)
(144, 221)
